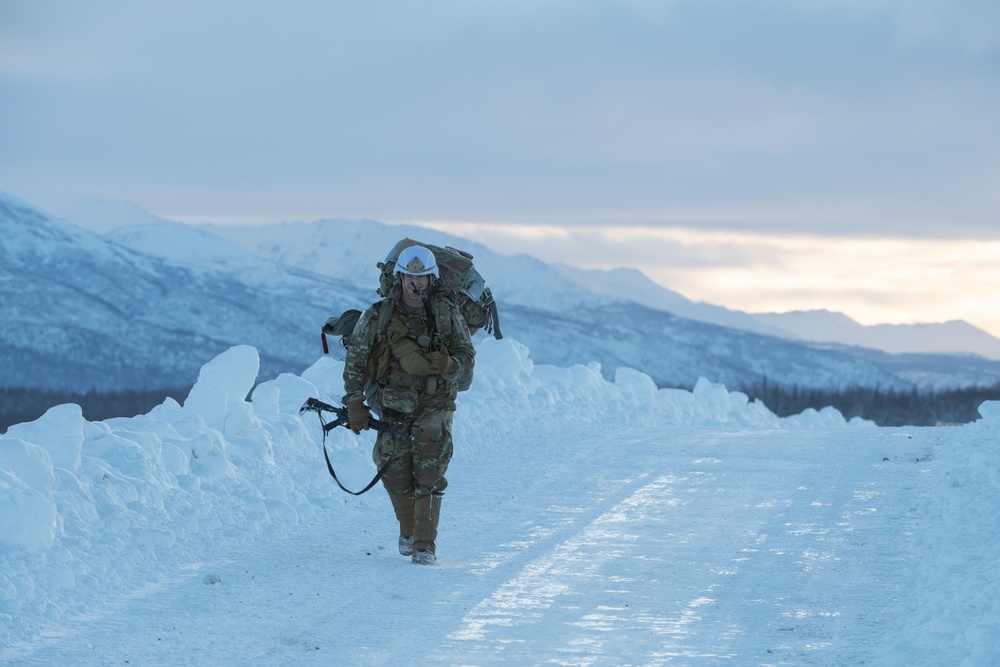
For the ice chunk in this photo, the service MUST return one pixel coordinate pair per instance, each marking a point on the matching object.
(223, 383)
(59, 431)
(27, 516)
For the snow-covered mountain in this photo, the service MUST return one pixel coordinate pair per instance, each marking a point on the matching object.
(819, 326)
(655, 329)
(931, 371)
(97, 214)
(81, 311)
(555, 310)
(145, 304)
(954, 337)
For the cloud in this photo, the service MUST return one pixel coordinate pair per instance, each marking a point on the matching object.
(969, 25)
(683, 137)
(874, 280)
(816, 114)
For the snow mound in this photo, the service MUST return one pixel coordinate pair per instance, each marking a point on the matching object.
(990, 412)
(225, 467)
(956, 618)
(90, 509)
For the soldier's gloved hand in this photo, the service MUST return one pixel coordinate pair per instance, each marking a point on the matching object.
(441, 363)
(358, 416)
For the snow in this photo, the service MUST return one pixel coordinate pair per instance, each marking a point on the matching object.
(587, 522)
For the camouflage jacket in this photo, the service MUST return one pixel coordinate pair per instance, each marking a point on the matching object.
(395, 347)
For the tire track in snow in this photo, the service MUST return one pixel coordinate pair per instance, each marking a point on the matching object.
(609, 559)
(818, 585)
(662, 553)
(706, 594)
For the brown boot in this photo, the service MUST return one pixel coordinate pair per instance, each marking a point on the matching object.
(402, 504)
(427, 513)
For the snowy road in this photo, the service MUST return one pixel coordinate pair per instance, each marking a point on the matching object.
(748, 547)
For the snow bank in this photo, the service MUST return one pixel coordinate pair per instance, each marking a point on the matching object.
(506, 376)
(88, 509)
(955, 619)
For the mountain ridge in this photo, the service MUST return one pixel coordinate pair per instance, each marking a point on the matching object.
(81, 311)
(824, 326)
(814, 326)
(149, 302)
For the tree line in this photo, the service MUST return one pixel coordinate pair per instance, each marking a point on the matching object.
(885, 407)
(25, 404)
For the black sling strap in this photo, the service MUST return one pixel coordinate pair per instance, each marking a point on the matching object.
(327, 427)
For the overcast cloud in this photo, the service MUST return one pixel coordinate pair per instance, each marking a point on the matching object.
(826, 117)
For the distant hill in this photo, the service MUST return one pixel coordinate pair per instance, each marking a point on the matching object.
(146, 304)
(954, 337)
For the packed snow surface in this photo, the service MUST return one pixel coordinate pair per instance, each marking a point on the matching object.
(587, 522)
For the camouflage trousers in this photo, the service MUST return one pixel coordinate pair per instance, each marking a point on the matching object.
(420, 462)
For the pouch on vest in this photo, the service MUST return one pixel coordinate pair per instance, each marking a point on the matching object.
(411, 357)
(378, 359)
(398, 399)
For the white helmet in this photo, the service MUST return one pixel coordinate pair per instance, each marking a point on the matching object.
(416, 261)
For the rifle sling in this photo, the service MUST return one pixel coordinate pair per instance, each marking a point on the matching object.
(329, 426)
(378, 475)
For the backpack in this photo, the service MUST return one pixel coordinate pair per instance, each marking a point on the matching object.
(459, 282)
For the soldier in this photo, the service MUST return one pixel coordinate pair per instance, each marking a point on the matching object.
(412, 348)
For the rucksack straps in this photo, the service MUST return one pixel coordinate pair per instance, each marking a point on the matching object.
(493, 325)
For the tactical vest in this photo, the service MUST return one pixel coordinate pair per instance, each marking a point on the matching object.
(381, 350)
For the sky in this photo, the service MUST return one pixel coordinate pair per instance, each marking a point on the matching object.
(765, 155)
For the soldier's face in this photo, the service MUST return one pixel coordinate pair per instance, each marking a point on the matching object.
(415, 286)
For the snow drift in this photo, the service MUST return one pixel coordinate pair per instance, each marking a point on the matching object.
(225, 467)
(93, 509)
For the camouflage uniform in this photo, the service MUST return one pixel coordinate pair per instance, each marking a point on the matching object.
(420, 403)
(416, 356)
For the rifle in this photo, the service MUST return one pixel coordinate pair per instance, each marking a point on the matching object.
(319, 407)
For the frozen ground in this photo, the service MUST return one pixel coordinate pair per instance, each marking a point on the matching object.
(587, 523)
